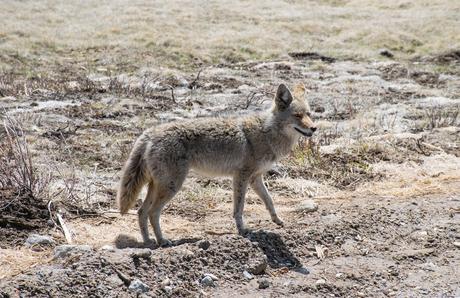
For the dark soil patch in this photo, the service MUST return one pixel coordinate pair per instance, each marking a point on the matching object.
(448, 57)
(396, 71)
(311, 56)
(20, 214)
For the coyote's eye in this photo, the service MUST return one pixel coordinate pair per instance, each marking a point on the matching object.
(300, 116)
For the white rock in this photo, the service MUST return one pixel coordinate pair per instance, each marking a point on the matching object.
(35, 239)
(307, 206)
(457, 244)
(208, 281)
(320, 282)
(108, 247)
(419, 235)
(211, 276)
(248, 275)
(138, 286)
(63, 251)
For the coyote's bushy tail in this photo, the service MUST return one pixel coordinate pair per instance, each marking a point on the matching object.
(132, 179)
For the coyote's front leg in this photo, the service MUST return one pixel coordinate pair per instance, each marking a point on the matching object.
(257, 184)
(240, 187)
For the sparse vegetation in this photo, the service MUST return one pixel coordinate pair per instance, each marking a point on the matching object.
(376, 186)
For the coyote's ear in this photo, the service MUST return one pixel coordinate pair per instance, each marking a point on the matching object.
(283, 97)
(299, 91)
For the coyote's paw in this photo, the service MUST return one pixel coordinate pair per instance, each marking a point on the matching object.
(165, 243)
(243, 231)
(278, 221)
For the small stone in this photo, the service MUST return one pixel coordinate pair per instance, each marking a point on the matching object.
(419, 235)
(263, 283)
(248, 275)
(208, 281)
(212, 276)
(138, 286)
(457, 244)
(142, 253)
(319, 109)
(307, 206)
(168, 289)
(107, 247)
(258, 266)
(35, 239)
(63, 251)
(321, 282)
(339, 275)
(204, 244)
(166, 282)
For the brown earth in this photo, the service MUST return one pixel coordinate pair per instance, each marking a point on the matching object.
(383, 170)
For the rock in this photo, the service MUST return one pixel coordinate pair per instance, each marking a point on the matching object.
(419, 236)
(108, 248)
(307, 206)
(319, 109)
(35, 239)
(138, 286)
(63, 251)
(166, 282)
(428, 266)
(321, 282)
(457, 244)
(263, 283)
(258, 266)
(248, 275)
(208, 281)
(386, 53)
(204, 244)
(212, 276)
(168, 289)
(141, 253)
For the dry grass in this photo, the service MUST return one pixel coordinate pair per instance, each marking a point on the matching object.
(17, 260)
(17, 168)
(69, 37)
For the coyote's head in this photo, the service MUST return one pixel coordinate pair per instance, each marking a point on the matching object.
(292, 111)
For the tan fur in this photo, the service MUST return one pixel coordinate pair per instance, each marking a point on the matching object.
(242, 147)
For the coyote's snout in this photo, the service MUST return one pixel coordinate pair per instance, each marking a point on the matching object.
(242, 147)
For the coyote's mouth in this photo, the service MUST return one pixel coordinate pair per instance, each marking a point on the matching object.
(308, 133)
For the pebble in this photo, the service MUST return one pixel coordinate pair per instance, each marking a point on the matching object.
(248, 275)
(320, 282)
(138, 286)
(212, 276)
(263, 283)
(419, 235)
(258, 266)
(457, 244)
(35, 239)
(108, 248)
(307, 206)
(208, 281)
(166, 282)
(63, 251)
(168, 289)
(204, 244)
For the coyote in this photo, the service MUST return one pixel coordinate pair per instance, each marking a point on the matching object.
(243, 147)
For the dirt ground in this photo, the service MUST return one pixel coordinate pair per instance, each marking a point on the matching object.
(383, 172)
(371, 203)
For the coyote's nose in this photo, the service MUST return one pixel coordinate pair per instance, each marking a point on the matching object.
(313, 129)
